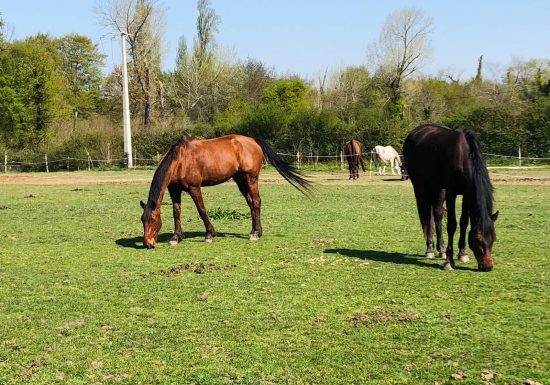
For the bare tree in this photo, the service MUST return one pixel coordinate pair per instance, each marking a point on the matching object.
(402, 47)
(143, 22)
(203, 79)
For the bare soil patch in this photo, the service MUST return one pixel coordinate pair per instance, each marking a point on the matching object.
(381, 317)
(198, 268)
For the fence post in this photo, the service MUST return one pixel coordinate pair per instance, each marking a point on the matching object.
(298, 159)
(341, 160)
(519, 156)
(5, 162)
(88, 159)
(158, 157)
(135, 157)
(68, 168)
(109, 153)
(46, 160)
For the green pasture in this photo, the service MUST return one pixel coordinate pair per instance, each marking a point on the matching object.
(336, 292)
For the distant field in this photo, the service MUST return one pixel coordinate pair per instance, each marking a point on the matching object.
(336, 292)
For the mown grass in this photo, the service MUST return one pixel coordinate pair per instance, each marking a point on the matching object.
(336, 292)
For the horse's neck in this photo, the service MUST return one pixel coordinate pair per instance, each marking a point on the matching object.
(159, 185)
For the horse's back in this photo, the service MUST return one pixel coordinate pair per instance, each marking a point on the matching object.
(438, 155)
(352, 147)
(213, 161)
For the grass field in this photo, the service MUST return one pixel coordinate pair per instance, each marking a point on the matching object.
(336, 292)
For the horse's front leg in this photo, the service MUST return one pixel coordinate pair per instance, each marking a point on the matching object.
(451, 229)
(196, 195)
(462, 254)
(175, 195)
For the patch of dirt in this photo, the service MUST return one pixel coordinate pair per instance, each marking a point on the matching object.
(3, 207)
(382, 318)
(34, 366)
(64, 180)
(460, 375)
(321, 243)
(198, 268)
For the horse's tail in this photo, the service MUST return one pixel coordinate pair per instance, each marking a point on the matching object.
(287, 171)
(483, 189)
(362, 162)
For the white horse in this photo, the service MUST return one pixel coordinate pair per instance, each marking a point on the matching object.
(384, 155)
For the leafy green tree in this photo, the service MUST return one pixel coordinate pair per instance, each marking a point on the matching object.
(288, 94)
(81, 67)
(29, 90)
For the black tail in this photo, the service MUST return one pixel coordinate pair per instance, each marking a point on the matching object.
(287, 171)
(362, 162)
(483, 189)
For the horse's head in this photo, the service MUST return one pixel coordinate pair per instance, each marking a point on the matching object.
(152, 223)
(481, 243)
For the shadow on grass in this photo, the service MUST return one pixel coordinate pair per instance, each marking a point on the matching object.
(395, 258)
(137, 242)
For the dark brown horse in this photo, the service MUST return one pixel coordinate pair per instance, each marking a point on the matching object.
(354, 156)
(192, 163)
(443, 163)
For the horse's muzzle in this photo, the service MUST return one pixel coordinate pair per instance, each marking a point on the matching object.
(485, 268)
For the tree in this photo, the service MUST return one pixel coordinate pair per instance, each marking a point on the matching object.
(29, 91)
(204, 80)
(402, 47)
(81, 68)
(143, 22)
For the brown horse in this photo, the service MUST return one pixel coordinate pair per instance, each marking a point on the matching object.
(352, 152)
(443, 163)
(191, 163)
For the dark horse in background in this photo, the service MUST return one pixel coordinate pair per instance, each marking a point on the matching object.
(354, 156)
(443, 163)
(192, 163)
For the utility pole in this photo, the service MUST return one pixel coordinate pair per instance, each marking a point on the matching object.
(126, 104)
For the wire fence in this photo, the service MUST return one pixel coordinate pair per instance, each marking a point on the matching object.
(338, 161)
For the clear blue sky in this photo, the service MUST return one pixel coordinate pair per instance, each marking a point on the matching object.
(306, 37)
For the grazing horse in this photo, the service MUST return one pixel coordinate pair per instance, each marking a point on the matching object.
(443, 163)
(192, 163)
(383, 155)
(352, 152)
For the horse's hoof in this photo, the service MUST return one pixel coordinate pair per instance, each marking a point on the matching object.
(430, 254)
(209, 239)
(464, 258)
(253, 237)
(443, 255)
(173, 242)
(448, 266)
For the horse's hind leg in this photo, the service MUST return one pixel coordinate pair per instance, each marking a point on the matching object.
(437, 199)
(425, 214)
(248, 186)
(175, 195)
(196, 195)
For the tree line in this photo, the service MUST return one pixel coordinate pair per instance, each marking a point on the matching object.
(55, 98)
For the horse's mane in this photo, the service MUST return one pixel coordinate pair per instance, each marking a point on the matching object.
(483, 189)
(160, 173)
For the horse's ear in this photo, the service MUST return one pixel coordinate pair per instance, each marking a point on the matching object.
(494, 216)
(142, 205)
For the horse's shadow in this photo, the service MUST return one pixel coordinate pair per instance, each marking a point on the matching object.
(137, 242)
(395, 258)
